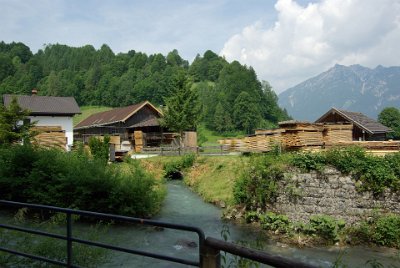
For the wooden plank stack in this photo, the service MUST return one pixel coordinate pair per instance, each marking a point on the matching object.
(295, 135)
(139, 140)
(337, 133)
(301, 134)
(50, 137)
(370, 145)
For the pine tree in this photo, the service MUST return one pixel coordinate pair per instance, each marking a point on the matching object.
(182, 108)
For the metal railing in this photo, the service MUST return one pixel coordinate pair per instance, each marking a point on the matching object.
(209, 248)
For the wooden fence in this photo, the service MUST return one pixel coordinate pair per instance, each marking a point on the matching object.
(199, 150)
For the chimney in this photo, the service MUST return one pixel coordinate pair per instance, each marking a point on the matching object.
(34, 92)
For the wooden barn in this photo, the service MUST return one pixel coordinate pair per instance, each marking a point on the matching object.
(364, 128)
(129, 127)
(53, 117)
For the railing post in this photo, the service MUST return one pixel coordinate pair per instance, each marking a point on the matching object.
(210, 257)
(69, 240)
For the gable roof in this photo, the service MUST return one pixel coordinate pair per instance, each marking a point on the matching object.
(113, 116)
(45, 105)
(362, 121)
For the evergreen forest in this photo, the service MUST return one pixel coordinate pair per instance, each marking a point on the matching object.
(229, 95)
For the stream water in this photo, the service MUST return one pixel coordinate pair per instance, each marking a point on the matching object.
(182, 206)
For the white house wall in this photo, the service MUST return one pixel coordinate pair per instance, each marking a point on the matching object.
(64, 121)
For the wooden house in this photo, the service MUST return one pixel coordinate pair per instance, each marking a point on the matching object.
(364, 128)
(53, 117)
(132, 126)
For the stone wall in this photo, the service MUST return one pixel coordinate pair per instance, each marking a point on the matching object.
(331, 193)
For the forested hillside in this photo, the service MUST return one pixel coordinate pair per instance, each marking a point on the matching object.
(230, 95)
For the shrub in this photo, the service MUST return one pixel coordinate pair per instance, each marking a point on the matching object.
(100, 149)
(325, 226)
(346, 160)
(257, 185)
(308, 161)
(62, 179)
(275, 222)
(387, 231)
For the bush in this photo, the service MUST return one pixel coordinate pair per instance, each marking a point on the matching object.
(308, 161)
(325, 226)
(275, 222)
(52, 177)
(387, 231)
(257, 185)
(100, 149)
(346, 160)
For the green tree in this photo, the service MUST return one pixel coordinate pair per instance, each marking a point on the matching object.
(390, 117)
(13, 126)
(246, 113)
(182, 107)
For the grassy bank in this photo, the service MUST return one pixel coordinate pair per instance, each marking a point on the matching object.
(248, 185)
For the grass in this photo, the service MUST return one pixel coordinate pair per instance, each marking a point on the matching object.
(213, 177)
(211, 138)
(88, 111)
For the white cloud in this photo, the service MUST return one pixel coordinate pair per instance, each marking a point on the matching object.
(306, 40)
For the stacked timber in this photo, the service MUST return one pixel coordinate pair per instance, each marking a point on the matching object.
(301, 134)
(337, 133)
(234, 144)
(257, 143)
(139, 140)
(370, 145)
(50, 137)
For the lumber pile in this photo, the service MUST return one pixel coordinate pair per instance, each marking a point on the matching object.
(139, 140)
(369, 145)
(301, 134)
(50, 137)
(234, 144)
(338, 133)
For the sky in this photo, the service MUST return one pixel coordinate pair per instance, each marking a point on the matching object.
(285, 41)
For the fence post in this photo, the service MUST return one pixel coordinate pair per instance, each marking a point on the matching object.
(197, 150)
(162, 151)
(69, 240)
(210, 258)
(179, 150)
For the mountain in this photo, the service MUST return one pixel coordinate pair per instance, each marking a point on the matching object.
(353, 88)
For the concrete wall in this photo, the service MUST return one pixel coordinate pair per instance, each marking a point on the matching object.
(331, 193)
(64, 121)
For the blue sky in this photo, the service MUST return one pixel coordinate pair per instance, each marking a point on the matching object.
(286, 41)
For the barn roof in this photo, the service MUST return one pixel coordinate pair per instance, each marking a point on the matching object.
(113, 116)
(362, 121)
(45, 105)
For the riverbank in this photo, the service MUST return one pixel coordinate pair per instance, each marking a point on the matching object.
(213, 178)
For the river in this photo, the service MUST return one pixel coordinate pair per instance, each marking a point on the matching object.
(182, 206)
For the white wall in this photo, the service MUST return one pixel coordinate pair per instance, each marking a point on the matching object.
(64, 121)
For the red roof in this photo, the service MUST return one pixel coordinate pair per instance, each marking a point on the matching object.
(113, 116)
